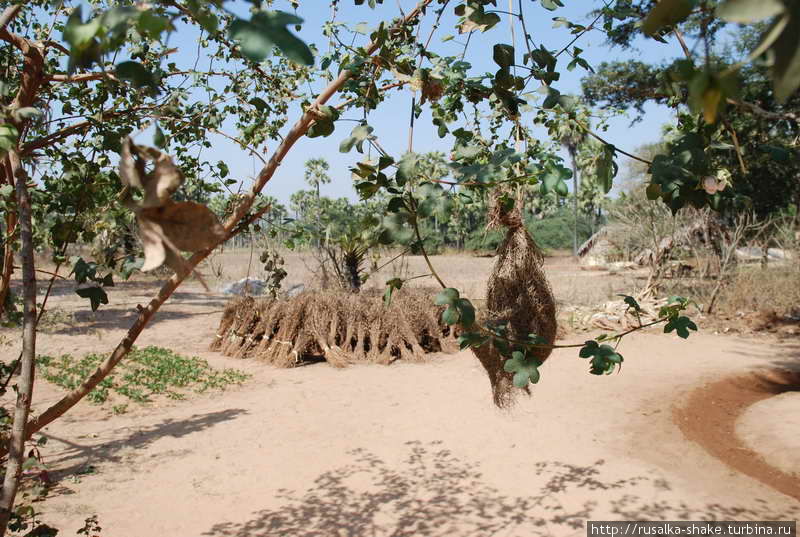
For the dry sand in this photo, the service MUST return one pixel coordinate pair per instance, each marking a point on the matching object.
(778, 442)
(406, 450)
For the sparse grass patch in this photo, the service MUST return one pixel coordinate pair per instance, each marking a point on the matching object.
(749, 289)
(54, 318)
(142, 374)
(755, 289)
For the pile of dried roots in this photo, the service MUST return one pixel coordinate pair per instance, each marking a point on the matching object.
(343, 328)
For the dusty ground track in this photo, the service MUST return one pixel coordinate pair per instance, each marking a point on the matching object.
(408, 450)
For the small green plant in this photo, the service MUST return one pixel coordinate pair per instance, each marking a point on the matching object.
(145, 372)
(273, 270)
(91, 527)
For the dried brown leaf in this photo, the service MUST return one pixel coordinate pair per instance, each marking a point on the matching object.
(152, 238)
(189, 226)
(163, 181)
(131, 166)
(176, 262)
(158, 185)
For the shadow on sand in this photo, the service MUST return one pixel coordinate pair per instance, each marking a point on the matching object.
(76, 457)
(434, 494)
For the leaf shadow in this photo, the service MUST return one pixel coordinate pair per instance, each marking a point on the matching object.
(77, 456)
(434, 494)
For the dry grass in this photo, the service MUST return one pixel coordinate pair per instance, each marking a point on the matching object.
(774, 289)
(466, 272)
(339, 327)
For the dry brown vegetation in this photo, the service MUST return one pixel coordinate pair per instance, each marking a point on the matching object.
(342, 328)
(468, 273)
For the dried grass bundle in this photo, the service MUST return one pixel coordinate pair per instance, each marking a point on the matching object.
(518, 294)
(343, 328)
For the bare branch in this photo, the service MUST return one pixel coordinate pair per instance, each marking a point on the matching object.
(82, 77)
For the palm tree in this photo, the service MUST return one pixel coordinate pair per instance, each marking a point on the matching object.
(571, 135)
(316, 175)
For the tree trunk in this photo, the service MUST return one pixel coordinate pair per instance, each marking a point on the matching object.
(572, 154)
(352, 266)
(16, 447)
(8, 260)
(8, 248)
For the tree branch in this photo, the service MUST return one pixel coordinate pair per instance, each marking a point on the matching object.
(145, 314)
(791, 116)
(9, 14)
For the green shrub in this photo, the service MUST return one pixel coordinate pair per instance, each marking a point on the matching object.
(555, 232)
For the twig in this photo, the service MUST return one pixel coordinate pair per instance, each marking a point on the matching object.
(686, 50)
(55, 275)
(735, 144)
(424, 253)
(617, 149)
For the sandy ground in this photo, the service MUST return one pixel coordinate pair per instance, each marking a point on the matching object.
(757, 429)
(417, 449)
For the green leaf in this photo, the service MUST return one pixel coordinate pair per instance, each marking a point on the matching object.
(260, 104)
(467, 312)
(604, 358)
(451, 315)
(83, 271)
(137, 74)
(666, 13)
(525, 369)
(396, 204)
(8, 137)
(96, 296)
(553, 96)
(324, 124)
(503, 55)
(447, 296)
(77, 34)
(116, 21)
(129, 266)
(631, 302)
(356, 139)
(681, 325)
(653, 191)
(159, 139)
(700, 82)
(267, 29)
(391, 286)
(551, 5)
(26, 112)
(152, 24)
(406, 169)
(786, 68)
(553, 180)
(777, 153)
(607, 168)
(743, 11)
(30, 463)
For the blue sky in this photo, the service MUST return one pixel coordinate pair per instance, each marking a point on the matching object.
(391, 119)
